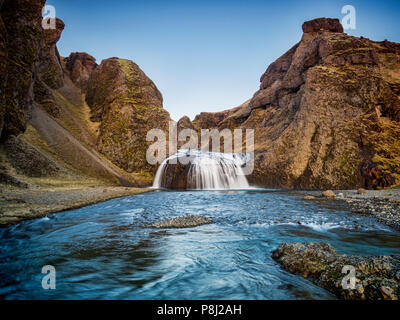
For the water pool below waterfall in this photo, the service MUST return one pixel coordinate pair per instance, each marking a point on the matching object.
(104, 252)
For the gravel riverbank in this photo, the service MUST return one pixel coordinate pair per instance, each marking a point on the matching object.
(18, 204)
(384, 205)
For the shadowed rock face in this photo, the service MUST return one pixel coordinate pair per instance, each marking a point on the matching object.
(21, 33)
(176, 176)
(377, 277)
(327, 113)
(80, 65)
(3, 69)
(127, 104)
(50, 74)
(49, 67)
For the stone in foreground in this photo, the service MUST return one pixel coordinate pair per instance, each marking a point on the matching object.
(377, 278)
(181, 222)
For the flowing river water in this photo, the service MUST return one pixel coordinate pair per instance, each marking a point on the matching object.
(104, 251)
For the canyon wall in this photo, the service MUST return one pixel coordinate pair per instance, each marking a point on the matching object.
(326, 115)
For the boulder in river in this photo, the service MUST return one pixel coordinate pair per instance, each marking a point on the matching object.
(376, 277)
(328, 194)
(181, 222)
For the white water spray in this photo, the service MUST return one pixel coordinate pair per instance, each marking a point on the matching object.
(207, 170)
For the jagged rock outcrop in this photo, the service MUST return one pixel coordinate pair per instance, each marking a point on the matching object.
(21, 33)
(322, 24)
(377, 278)
(327, 113)
(80, 65)
(208, 120)
(49, 67)
(36, 149)
(127, 104)
(50, 74)
(3, 68)
(185, 123)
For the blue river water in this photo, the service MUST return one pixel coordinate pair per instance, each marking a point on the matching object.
(105, 251)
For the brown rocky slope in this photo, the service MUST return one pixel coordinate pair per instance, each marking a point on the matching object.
(44, 117)
(327, 114)
(51, 140)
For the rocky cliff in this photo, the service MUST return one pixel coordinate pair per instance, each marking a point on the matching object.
(80, 66)
(127, 104)
(327, 113)
(44, 117)
(21, 34)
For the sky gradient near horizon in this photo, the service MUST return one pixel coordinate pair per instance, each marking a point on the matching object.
(206, 55)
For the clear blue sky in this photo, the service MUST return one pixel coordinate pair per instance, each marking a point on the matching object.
(206, 55)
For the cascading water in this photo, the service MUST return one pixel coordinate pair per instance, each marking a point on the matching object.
(197, 169)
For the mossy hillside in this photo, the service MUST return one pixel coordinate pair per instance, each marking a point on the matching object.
(384, 139)
(129, 106)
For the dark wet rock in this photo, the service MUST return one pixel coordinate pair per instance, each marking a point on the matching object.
(377, 277)
(181, 222)
(176, 174)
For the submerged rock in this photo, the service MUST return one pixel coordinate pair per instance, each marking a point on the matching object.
(181, 222)
(377, 278)
(309, 198)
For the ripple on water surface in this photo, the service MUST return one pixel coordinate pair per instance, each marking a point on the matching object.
(104, 251)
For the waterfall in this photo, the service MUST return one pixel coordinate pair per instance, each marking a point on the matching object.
(197, 169)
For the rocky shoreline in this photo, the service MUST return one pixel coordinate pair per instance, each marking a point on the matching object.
(376, 277)
(19, 204)
(383, 205)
